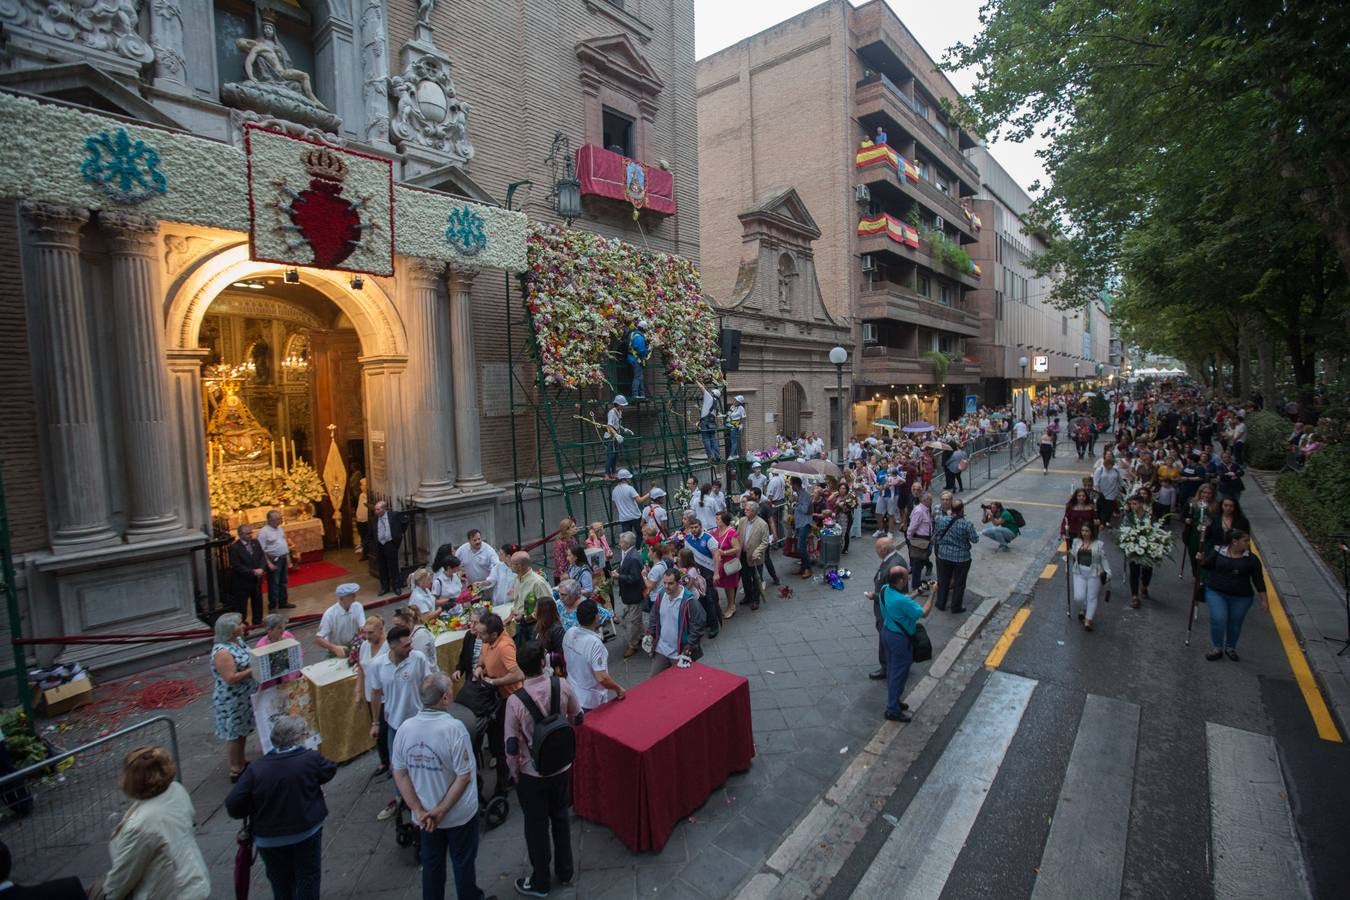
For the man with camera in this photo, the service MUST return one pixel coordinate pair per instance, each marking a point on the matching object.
(1001, 526)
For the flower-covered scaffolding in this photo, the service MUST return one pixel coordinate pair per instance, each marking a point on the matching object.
(584, 292)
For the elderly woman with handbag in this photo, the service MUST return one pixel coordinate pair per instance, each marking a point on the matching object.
(234, 686)
(900, 629)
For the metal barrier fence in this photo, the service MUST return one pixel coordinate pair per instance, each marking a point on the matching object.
(52, 810)
(995, 459)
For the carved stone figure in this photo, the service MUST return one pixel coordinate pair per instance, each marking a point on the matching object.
(268, 62)
(424, 10)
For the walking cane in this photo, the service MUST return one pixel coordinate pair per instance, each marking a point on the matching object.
(1195, 599)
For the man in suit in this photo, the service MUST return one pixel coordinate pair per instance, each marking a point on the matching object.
(387, 529)
(632, 591)
(890, 556)
(247, 565)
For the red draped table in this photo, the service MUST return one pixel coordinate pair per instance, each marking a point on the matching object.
(649, 760)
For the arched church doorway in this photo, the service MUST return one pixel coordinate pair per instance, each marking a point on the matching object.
(282, 411)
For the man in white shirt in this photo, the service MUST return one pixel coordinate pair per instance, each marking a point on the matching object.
(341, 621)
(855, 450)
(655, 512)
(272, 538)
(395, 692)
(707, 424)
(627, 502)
(1020, 435)
(435, 771)
(588, 660)
(478, 559)
(1239, 441)
(776, 493)
(735, 423)
(757, 477)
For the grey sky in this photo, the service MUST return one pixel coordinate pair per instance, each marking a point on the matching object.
(721, 23)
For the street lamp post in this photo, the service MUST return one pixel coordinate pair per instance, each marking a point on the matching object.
(1022, 361)
(839, 356)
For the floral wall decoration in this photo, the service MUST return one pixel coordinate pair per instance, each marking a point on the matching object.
(46, 154)
(315, 205)
(583, 292)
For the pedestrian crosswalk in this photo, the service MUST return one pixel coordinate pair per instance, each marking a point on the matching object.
(1255, 849)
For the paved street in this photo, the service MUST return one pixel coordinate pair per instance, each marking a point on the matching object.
(1116, 763)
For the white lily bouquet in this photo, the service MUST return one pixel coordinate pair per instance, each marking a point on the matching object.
(1147, 543)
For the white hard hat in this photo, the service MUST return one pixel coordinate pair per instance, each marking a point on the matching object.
(641, 323)
(658, 493)
(623, 474)
(620, 400)
(756, 465)
(740, 398)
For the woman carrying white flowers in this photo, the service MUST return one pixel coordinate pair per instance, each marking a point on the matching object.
(1138, 541)
(1087, 564)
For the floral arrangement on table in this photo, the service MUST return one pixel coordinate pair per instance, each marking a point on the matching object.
(583, 292)
(780, 453)
(354, 650)
(233, 490)
(1147, 543)
(302, 485)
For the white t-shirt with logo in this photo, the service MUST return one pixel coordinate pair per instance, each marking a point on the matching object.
(586, 654)
(400, 687)
(433, 747)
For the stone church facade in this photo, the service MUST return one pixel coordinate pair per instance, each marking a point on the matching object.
(126, 315)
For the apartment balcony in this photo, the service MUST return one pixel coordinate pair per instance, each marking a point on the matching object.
(878, 95)
(886, 300)
(604, 173)
(886, 234)
(881, 164)
(896, 365)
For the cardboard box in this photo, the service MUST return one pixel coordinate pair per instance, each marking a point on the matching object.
(277, 660)
(65, 697)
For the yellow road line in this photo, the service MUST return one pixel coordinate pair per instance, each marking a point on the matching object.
(995, 657)
(1079, 472)
(1298, 662)
(1063, 548)
(1050, 570)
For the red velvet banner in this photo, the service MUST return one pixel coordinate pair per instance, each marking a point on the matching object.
(605, 173)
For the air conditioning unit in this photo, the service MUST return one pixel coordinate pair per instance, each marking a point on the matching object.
(938, 224)
(869, 333)
(862, 194)
(868, 263)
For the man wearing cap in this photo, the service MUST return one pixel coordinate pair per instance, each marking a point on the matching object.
(341, 621)
(655, 513)
(735, 422)
(613, 428)
(627, 502)
(707, 424)
(638, 352)
(757, 477)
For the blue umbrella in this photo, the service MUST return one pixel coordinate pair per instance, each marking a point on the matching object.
(917, 427)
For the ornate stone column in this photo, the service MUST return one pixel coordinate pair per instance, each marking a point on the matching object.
(147, 437)
(78, 468)
(166, 40)
(464, 372)
(429, 358)
(185, 389)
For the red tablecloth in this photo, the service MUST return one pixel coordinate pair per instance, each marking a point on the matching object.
(648, 761)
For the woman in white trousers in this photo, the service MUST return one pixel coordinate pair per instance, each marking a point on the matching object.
(1087, 564)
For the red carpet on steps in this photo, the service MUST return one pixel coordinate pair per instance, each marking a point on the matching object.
(311, 572)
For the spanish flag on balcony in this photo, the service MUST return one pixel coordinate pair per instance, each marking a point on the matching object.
(975, 270)
(911, 171)
(892, 227)
(876, 154)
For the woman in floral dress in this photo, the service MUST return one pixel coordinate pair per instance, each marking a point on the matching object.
(232, 693)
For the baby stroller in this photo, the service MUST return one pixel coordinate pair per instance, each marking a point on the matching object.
(494, 809)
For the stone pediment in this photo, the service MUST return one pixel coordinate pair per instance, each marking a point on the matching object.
(82, 84)
(617, 58)
(452, 179)
(786, 212)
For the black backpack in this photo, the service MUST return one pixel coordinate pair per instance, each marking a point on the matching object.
(553, 742)
(1017, 517)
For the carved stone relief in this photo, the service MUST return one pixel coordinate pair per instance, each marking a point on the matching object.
(106, 25)
(273, 87)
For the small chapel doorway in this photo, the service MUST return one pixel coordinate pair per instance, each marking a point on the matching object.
(793, 399)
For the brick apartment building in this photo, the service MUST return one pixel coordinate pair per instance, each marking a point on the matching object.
(798, 106)
(119, 307)
(1016, 319)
